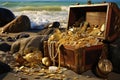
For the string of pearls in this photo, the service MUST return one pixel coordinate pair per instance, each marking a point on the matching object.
(52, 51)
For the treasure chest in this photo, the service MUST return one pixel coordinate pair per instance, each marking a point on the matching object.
(81, 59)
(98, 14)
(84, 58)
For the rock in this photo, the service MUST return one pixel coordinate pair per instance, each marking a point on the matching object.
(19, 45)
(5, 47)
(24, 44)
(21, 23)
(10, 39)
(53, 25)
(22, 35)
(5, 16)
(4, 68)
(114, 55)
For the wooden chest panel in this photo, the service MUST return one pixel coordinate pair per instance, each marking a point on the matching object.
(80, 60)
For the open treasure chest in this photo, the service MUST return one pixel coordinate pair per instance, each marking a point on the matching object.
(88, 25)
(98, 14)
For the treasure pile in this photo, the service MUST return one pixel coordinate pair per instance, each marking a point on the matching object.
(84, 36)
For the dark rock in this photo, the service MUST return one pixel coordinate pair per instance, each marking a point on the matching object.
(5, 47)
(5, 16)
(4, 68)
(15, 47)
(114, 55)
(10, 39)
(53, 25)
(22, 35)
(21, 23)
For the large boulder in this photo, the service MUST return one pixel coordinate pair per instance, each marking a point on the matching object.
(19, 24)
(5, 16)
(24, 44)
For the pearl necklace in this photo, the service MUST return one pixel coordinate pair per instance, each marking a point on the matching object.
(52, 51)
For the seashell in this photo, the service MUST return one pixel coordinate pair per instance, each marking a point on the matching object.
(46, 61)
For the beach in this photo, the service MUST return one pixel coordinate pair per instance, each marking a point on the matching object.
(71, 75)
(41, 14)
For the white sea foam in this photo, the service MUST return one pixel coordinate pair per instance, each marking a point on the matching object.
(41, 18)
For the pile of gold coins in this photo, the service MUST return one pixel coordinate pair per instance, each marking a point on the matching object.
(84, 36)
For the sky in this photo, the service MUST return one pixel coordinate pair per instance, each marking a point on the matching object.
(61, 0)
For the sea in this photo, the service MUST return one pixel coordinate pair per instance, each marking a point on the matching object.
(41, 13)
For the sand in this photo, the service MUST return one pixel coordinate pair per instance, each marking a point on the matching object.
(71, 75)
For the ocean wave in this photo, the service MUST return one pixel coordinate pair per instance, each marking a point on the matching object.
(40, 8)
(40, 18)
(34, 6)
